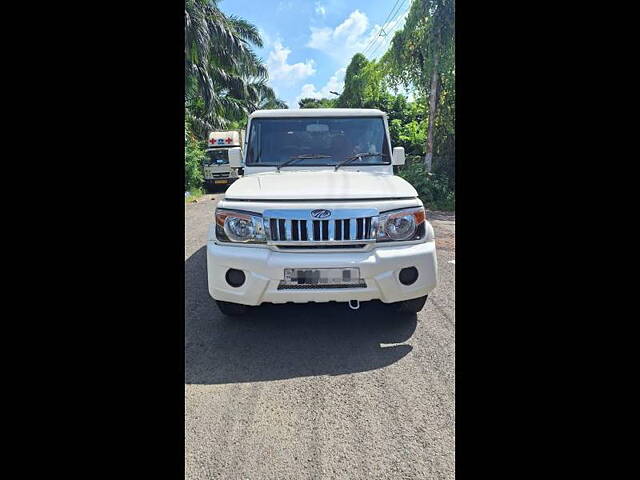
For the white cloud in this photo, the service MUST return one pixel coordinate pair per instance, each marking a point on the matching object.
(354, 26)
(283, 72)
(348, 34)
(335, 84)
(321, 9)
(320, 38)
(354, 35)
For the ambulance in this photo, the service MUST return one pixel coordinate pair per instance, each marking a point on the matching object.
(216, 170)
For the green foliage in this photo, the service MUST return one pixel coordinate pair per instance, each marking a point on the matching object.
(193, 156)
(224, 78)
(409, 135)
(238, 124)
(355, 83)
(225, 81)
(317, 103)
(196, 194)
(433, 188)
(427, 44)
(365, 86)
(271, 103)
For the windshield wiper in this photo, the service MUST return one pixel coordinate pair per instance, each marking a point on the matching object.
(359, 155)
(301, 157)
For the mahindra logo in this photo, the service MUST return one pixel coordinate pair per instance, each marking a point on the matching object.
(321, 213)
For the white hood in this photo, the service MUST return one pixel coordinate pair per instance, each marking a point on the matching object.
(319, 185)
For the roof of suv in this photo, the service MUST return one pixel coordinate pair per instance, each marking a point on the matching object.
(319, 112)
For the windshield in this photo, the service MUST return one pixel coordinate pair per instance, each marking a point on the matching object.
(217, 156)
(323, 141)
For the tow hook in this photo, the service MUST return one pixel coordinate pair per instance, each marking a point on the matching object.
(354, 304)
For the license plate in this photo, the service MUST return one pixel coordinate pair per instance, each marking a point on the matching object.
(219, 181)
(321, 276)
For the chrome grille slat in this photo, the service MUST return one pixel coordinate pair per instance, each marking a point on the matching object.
(287, 229)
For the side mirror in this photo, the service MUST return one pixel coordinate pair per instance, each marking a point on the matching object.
(398, 156)
(235, 157)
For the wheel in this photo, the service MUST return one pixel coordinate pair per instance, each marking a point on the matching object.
(231, 309)
(412, 306)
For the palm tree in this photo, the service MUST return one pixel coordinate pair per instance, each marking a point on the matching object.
(224, 79)
(262, 97)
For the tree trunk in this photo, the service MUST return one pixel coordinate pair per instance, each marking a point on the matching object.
(433, 110)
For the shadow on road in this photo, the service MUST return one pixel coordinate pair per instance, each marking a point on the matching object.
(276, 342)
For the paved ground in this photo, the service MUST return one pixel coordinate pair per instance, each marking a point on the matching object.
(318, 391)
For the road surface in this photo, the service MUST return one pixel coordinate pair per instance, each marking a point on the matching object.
(318, 390)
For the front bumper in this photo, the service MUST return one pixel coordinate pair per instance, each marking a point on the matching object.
(264, 268)
(220, 181)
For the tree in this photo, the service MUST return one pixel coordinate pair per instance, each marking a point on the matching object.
(224, 79)
(422, 53)
(193, 156)
(317, 103)
(365, 85)
(355, 79)
(266, 100)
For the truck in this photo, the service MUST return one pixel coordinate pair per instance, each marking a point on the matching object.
(215, 167)
(319, 216)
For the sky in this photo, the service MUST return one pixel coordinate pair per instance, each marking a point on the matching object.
(309, 43)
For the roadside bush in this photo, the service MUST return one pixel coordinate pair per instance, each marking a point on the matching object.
(433, 188)
(193, 156)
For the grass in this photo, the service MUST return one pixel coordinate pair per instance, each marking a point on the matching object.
(196, 194)
(443, 206)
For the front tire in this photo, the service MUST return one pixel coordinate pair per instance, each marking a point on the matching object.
(231, 309)
(413, 305)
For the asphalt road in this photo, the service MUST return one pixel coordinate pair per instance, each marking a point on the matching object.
(318, 390)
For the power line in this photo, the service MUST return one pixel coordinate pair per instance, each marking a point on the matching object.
(391, 29)
(393, 17)
(383, 24)
(371, 48)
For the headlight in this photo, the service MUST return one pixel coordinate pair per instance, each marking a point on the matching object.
(234, 226)
(401, 225)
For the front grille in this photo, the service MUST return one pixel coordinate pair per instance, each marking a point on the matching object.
(283, 286)
(312, 247)
(298, 227)
(320, 230)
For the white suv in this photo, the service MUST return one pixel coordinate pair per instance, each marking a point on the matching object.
(319, 216)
